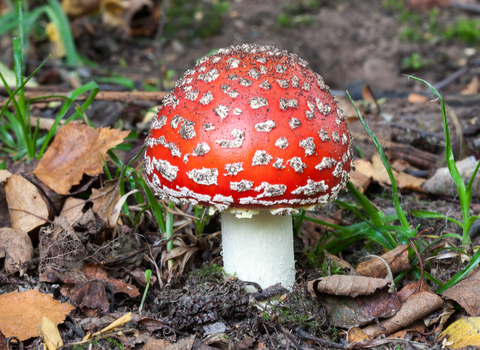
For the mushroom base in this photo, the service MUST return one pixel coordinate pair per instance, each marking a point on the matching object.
(259, 249)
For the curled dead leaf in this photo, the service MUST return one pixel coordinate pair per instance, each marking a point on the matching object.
(415, 307)
(397, 260)
(466, 293)
(351, 286)
(16, 247)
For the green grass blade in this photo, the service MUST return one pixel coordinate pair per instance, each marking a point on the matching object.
(462, 273)
(396, 199)
(57, 16)
(432, 215)
(366, 205)
(69, 101)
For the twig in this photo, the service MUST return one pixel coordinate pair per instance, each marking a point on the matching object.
(114, 96)
(304, 335)
(284, 331)
(441, 84)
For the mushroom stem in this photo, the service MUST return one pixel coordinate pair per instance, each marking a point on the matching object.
(259, 249)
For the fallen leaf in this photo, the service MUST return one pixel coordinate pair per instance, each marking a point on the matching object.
(61, 252)
(26, 205)
(51, 336)
(415, 307)
(105, 199)
(351, 286)
(76, 150)
(23, 312)
(97, 272)
(90, 295)
(115, 324)
(462, 333)
(412, 288)
(4, 175)
(471, 88)
(155, 344)
(119, 15)
(347, 107)
(355, 334)
(397, 260)
(403, 180)
(55, 37)
(416, 98)
(359, 178)
(73, 209)
(349, 312)
(16, 247)
(466, 293)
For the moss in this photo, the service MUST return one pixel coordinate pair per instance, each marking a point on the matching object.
(208, 273)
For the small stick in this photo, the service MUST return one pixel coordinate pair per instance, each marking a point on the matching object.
(115, 96)
(304, 335)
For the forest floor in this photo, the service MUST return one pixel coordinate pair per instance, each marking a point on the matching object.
(360, 46)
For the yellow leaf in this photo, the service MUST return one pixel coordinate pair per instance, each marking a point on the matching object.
(51, 336)
(54, 36)
(462, 333)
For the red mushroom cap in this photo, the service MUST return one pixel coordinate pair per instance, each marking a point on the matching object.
(249, 127)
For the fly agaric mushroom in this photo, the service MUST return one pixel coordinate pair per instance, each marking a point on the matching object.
(253, 132)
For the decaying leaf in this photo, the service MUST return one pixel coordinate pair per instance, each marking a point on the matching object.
(50, 334)
(462, 333)
(89, 294)
(26, 205)
(22, 312)
(16, 247)
(466, 293)
(61, 251)
(76, 150)
(72, 209)
(415, 307)
(349, 312)
(97, 272)
(155, 344)
(355, 334)
(351, 286)
(471, 88)
(397, 260)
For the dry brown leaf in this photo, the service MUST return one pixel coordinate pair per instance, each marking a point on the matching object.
(22, 312)
(466, 293)
(76, 150)
(351, 286)
(26, 205)
(397, 260)
(155, 344)
(16, 247)
(358, 177)
(90, 294)
(416, 98)
(415, 307)
(4, 175)
(50, 334)
(73, 209)
(471, 88)
(97, 272)
(347, 107)
(105, 199)
(403, 180)
(412, 288)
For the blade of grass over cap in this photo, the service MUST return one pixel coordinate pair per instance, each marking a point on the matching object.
(396, 200)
